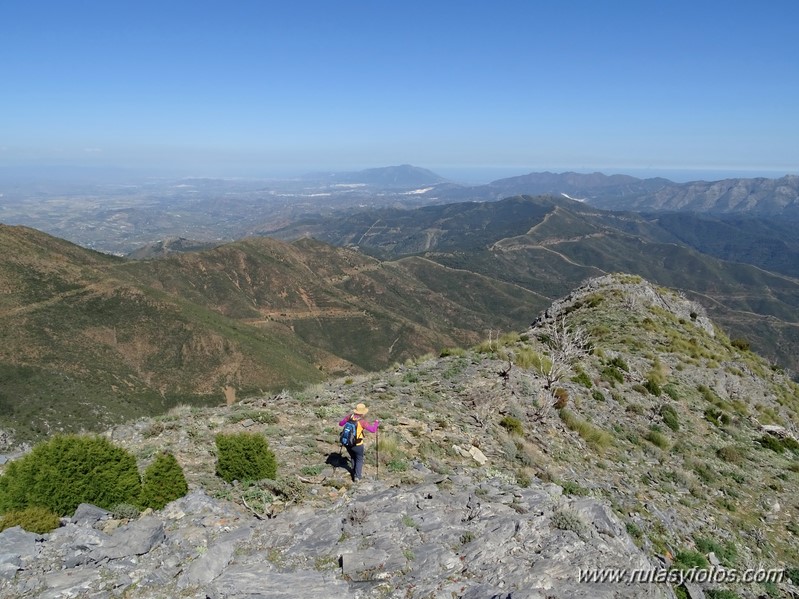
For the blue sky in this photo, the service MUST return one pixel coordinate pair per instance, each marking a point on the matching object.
(261, 87)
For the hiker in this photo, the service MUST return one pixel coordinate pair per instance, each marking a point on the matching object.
(356, 450)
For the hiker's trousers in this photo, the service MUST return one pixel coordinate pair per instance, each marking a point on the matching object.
(356, 455)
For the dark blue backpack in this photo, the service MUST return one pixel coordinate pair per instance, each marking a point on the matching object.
(349, 434)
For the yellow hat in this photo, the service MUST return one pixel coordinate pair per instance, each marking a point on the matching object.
(360, 410)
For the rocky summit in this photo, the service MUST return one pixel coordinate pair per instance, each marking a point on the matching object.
(622, 432)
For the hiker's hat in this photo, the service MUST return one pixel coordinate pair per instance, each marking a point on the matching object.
(360, 410)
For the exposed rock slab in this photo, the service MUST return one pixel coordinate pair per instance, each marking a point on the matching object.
(447, 537)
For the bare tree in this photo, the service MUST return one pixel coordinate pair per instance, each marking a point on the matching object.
(566, 344)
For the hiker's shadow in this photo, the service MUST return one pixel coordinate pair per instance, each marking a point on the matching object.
(338, 461)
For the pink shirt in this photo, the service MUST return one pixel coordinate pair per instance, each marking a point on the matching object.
(372, 428)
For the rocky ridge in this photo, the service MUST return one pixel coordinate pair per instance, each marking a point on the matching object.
(502, 470)
(448, 536)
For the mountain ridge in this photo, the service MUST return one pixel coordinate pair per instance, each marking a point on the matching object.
(92, 338)
(549, 245)
(623, 415)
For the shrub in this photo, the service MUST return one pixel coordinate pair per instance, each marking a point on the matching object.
(730, 454)
(572, 488)
(791, 444)
(708, 394)
(685, 560)
(612, 375)
(566, 519)
(658, 439)
(561, 398)
(244, 457)
(705, 473)
(670, 418)
(618, 362)
(523, 478)
(670, 389)
(33, 519)
(125, 511)
(771, 443)
(717, 417)
(726, 553)
(260, 416)
(526, 357)
(163, 481)
(740, 343)
(583, 379)
(512, 425)
(397, 465)
(68, 470)
(593, 435)
(452, 351)
(653, 387)
(389, 447)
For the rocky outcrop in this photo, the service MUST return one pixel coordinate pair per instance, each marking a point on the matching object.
(449, 536)
(637, 293)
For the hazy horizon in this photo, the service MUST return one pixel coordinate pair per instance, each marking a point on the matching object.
(466, 175)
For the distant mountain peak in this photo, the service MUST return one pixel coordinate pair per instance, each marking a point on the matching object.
(403, 176)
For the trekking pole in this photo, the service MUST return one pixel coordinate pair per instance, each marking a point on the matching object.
(377, 449)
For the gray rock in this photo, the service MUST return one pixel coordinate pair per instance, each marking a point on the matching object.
(456, 540)
(9, 569)
(372, 564)
(693, 591)
(136, 538)
(16, 543)
(58, 585)
(260, 581)
(211, 564)
(88, 515)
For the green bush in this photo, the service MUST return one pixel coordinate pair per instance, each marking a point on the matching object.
(791, 444)
(727, 553)
(633, 530)
(653, 387)
(657, 438)
(593, 435)
(452, 351)
(573, 488)
(740, 343)
(125, 511)
(612, 375)
(163, 481)
(33, 519)
(670, 389)
(618, 362)
(567, 519)
(244, 457)
(583, 379)
(717, 417)
(670, 418)
(512, 425)
(598, 395)
(771, 443)
(685, 560)
(69, 470)
(397, 465)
